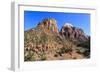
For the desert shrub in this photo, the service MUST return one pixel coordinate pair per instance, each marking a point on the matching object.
(64, 50)
(84, 51)
(43, 58)
(87, 53)
(85, 44)
(80, 50)
(42, 55)
(29, 56)
(32, 58)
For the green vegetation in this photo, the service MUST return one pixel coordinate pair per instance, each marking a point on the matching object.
(63, 51)
(84, 51)
(80, 50)
(85, 44)
(42, 55)
(29, 56)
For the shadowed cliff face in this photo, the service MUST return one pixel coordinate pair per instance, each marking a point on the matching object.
(45, 42)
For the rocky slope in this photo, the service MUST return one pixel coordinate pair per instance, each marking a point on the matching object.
(45, 42)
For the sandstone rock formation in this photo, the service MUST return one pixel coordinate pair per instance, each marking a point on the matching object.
(70, 32)
(49, 24)
(45, 42)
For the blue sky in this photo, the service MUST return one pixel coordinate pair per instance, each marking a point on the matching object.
(81, 20)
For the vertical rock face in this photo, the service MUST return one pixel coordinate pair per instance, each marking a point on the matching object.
(69, 31)
(49, 24)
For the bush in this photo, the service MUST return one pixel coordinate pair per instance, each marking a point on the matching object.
(85, 44)
(43, 58)
(84, 51)
(87, 53)
(29, 56)
(80, 50)
(64, 50)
